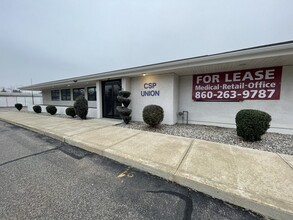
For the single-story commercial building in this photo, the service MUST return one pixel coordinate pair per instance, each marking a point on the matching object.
(207, 90)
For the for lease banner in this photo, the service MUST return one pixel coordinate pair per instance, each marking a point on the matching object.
(249, 84)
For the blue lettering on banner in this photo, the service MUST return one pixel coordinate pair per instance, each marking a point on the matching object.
(152, 92)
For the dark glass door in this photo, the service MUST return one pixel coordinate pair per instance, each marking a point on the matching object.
(110, 91)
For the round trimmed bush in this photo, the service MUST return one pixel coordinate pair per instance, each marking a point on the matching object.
(51, 109)
(252, 124)
(153, 115)
(81, 107)
(70, 112)
(18, 106)
(37, 109)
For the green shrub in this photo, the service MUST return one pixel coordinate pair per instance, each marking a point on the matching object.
(18, 106)
(252, 124)
(51, 109)
(37, 109)
(123, 110)
(70, 112)
(124, 101)
(153, 115)
(81, 107)
(126, 119)
(124, 94)
(124, 113)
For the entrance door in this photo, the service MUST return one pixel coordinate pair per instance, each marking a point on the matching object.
(110, 91)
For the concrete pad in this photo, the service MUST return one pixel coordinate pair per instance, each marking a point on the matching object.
(102, 121)
(288, 159)
(39, 121)
(65, 130)
(29, 120)
(42, 124)
(84, 129)
(55, 127)
(240, 176)
(100, 139)
(19, 117)
(13, 115)
(23, 122)
(155, 153)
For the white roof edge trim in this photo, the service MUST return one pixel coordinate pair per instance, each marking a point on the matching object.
(254, 53)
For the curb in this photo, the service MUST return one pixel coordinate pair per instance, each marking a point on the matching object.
(250, 204)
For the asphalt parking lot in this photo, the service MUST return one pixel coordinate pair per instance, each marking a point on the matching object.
(42, 178)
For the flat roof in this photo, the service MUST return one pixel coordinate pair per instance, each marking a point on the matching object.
(266, 53)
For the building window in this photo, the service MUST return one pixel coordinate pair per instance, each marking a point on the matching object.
(78, 92)
(55, 95)
(65, 95)
(91, 94)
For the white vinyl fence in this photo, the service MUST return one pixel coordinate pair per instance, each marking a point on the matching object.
(10, 101)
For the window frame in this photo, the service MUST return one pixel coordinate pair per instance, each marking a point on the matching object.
(55, 95)
(92, 97)
(66, 96)
(79, 93)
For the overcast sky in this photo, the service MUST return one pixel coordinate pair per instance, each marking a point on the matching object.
(54, 39)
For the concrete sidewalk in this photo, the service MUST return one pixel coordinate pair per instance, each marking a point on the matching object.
(256, 180)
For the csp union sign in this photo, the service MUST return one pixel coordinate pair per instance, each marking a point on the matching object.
(250, 84)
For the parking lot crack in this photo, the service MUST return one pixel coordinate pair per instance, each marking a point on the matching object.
(188, 202)
(31, 155)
